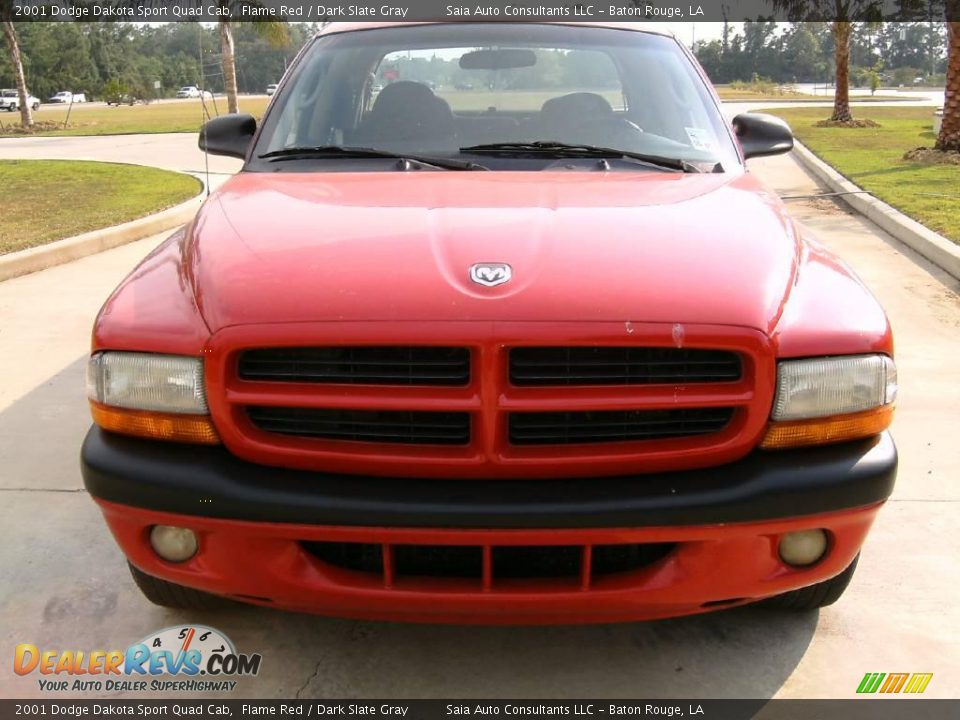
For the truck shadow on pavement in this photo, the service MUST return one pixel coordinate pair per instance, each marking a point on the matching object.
(743, 652)
(67, 585)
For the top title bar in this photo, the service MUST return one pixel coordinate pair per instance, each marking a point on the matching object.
(484, 10)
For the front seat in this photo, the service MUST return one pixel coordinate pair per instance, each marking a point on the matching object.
(580, 117)
(409, 113)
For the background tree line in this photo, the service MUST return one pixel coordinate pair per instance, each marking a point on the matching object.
(89, 57)
(153, 60)
(804, 52)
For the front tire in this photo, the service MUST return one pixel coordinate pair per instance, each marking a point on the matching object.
(815, 596)
(168, 594)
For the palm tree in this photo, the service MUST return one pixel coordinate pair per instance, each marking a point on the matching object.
(275, 31)
(949, 138)
(844, 14)
(26, 112)
(840, 29)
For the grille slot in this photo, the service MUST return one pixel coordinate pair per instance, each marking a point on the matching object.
(506, 561)
(531, 366)
(360, 365)
(564, 428)
(380, 426)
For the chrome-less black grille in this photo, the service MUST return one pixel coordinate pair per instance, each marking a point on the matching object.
(564, 428)
(380, 426)
(359, 365)
(621, 366)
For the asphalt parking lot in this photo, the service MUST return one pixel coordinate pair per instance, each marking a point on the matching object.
(65, 584)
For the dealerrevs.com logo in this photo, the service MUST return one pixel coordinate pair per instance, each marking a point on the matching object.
(188, 658)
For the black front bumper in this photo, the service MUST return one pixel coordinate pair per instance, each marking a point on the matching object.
(210, 482)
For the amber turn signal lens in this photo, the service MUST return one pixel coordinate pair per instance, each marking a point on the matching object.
(155, 425)
(826, 430)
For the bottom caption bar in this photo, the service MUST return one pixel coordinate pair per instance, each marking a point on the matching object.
(852, 709)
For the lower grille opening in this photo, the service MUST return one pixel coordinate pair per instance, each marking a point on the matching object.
(380, 426)
(613, 559)
(438, 561)
(508, 561)
(533, 561)
(722, 603)
(362, 557)
(563, 428)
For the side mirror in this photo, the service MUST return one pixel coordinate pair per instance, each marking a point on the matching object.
(762, 135)
(228, 135)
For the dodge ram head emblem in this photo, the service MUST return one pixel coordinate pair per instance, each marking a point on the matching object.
(491, 274)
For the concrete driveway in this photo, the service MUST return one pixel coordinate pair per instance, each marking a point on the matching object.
(170, 151)
(65, 585)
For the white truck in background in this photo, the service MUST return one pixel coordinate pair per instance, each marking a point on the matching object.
(10, 101)
(65, 97)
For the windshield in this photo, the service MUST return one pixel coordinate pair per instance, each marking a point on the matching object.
(442, 90)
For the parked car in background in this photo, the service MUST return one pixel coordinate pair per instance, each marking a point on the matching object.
(192, 91)
(122, 99)
(10, 101)
(271, 88)
(65, 97)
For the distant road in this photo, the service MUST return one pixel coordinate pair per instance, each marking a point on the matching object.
(933, 95)
(78, 107)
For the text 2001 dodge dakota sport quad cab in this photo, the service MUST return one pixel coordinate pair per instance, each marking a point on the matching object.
(492, 327)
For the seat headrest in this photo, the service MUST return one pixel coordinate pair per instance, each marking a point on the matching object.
(576, 104)
(402, 93)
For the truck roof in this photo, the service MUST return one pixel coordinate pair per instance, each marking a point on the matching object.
(339, 27)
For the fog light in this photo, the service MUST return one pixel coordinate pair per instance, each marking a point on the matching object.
(174, 544)
(803, 548)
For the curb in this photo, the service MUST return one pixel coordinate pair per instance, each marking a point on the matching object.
(935, 248)
(31, 260)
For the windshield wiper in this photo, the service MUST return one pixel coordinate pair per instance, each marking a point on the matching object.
(338, 151)
(559, 149)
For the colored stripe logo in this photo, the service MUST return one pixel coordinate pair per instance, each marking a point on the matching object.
(913, 683)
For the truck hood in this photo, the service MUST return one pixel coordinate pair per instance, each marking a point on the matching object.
(398, 246)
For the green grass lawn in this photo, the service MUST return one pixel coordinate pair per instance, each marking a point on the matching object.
(180, 116)
(873, 159)
(46, 200)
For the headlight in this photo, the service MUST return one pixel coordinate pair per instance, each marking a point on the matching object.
(833, 386)
(825, 400)
(156, 396)
(165, 383)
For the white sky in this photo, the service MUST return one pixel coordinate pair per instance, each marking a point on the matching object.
(686, 32)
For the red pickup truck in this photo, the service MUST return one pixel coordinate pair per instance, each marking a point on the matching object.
(509, 336)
